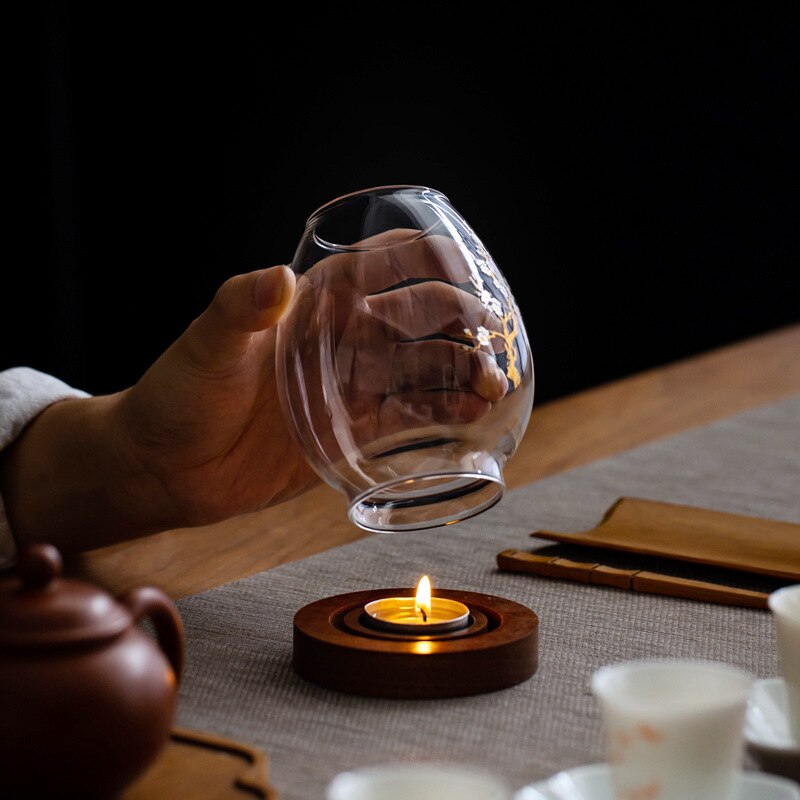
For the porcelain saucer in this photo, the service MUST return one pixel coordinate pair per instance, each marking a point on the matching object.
(593, 782)
(766, 729)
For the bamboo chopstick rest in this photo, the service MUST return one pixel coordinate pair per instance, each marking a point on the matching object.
(633, 580)
(728, 548)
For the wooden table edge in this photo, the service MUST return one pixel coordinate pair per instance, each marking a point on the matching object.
(562, 434)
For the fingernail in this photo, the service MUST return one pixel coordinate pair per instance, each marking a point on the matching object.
(271, 286)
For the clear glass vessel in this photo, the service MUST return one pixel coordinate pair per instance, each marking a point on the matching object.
(404, 365)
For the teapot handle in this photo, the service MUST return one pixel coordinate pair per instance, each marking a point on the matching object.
(151, 602)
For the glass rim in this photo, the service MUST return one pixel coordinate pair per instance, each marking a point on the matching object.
(385, 189)
(497, 481)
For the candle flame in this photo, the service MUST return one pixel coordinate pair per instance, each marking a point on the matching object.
(423, 599)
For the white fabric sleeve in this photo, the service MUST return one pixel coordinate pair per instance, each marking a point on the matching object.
(24, 393)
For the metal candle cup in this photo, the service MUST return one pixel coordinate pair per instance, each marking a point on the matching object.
(402, 615)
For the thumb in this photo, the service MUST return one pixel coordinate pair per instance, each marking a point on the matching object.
(242, 306)
(251, 302)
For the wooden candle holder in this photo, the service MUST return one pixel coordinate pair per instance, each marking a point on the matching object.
(335, 649)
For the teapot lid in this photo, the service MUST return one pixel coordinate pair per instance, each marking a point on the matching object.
(40, 608)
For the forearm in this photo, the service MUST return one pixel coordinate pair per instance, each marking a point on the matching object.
(69, 479)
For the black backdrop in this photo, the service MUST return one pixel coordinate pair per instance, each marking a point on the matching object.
(635, 175)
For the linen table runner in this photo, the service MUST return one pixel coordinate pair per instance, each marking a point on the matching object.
(239, 680)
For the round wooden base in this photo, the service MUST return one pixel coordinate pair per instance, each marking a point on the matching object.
(333, 648)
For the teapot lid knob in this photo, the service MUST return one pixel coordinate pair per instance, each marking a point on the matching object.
(39, 608)
(38, 565)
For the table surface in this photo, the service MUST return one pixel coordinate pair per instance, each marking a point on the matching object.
(562, 434)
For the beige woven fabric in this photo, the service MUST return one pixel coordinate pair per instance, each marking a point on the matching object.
(239, 680)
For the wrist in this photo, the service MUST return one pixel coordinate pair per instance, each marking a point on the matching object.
(71, 479)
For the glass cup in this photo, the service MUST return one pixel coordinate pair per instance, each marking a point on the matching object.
(418, 781)
(673, 729)
(785, 607)
(404, 366)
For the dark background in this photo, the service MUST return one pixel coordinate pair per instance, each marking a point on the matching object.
(634, 175)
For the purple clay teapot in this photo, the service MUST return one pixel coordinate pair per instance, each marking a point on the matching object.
(87, 699)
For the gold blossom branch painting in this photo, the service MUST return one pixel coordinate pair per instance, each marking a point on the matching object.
(508, 334)
(481, 265)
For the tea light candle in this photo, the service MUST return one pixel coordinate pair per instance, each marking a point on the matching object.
(420, 615)
(418, 781)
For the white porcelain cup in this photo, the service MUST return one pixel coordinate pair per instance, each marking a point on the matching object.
(785, 607)
(417, 782)
(673, 728)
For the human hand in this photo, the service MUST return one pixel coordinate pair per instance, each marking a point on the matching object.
(205, 421)
(201, 436)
